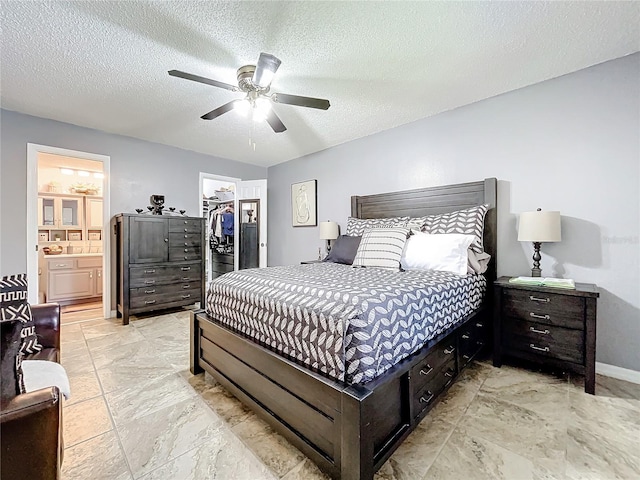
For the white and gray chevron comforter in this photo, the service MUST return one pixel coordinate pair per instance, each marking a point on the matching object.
(352, 324)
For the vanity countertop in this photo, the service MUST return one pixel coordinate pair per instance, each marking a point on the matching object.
(73, 255)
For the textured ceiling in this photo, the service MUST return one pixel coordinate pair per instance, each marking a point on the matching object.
(104, 65)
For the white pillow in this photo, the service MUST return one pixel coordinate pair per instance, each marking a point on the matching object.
(446, 252)
(39, 374)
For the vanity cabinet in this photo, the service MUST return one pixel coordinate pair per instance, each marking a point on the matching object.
(65, 279)
(160, 262)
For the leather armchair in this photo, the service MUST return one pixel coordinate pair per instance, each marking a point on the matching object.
(31, 423)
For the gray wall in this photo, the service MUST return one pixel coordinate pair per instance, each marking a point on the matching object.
(568, 144)
(138, 169)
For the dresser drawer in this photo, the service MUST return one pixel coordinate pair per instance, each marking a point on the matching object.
(146, 276)
(158, 295)
(547, 308)
(426, 370)
(185, 225)
(543, 339)
(425, 396)
(184, 254)
(181, 239)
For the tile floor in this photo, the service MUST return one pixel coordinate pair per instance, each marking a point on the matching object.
(137, 412)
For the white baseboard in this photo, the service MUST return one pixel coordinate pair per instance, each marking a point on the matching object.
(620, 373)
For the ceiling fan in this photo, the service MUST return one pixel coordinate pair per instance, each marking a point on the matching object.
(255, 81)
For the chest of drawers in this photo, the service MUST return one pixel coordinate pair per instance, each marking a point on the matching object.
(547, 325)
(159, 262)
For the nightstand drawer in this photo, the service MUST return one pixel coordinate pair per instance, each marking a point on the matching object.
(542, 339)
(547, 308)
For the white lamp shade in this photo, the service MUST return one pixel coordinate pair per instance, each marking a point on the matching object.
(328, 230)
(539, 226)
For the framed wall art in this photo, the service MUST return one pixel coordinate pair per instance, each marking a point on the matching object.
(303, 204)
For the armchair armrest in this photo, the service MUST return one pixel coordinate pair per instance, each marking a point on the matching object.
(46, 317)
(31, 435)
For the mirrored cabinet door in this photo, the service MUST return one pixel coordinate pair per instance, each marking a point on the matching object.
(249, 234)
(70, 212)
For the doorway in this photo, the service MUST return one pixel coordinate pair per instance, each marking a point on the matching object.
(67, 209)
(232, 206)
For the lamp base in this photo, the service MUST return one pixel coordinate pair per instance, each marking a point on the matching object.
(536, 271)
(328, 247)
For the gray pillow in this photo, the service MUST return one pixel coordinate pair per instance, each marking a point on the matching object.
(344, 250)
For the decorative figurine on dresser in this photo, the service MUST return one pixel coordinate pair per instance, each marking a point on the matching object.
(160, 262)
(553, 325)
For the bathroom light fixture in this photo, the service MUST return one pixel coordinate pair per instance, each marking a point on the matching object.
(83, 173)
(66, 171)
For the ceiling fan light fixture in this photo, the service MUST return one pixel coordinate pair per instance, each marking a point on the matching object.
(243, 106)
(265, 70)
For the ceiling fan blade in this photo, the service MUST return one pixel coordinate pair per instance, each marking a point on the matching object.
(227, 107)
(274, 121)
(199, 79)
(265, 70)
(301, 101)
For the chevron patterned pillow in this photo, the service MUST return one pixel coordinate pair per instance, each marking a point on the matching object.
(381, 247)
(469, 221)
(14, 306)
(357, 226)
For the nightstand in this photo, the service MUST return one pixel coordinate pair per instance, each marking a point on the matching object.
(307, 262)
(551, 326)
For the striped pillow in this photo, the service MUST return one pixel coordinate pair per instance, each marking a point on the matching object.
(381, 247)
(357, 226)
(469, 221)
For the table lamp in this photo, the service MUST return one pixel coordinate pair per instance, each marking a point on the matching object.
(328, 232)
(538, 227)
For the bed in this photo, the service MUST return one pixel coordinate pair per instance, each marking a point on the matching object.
(347, 412)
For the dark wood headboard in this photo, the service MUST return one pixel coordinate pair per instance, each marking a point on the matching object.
(433, 200)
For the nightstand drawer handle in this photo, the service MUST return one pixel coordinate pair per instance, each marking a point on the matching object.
(465, 336)
(537, 299)
(479, 325)
(425, 373)
(150, 271)
(448, 374)
(150, 302)
(541, 317)
(185, 269)
(545, 349)
(150, 291)
(543, 332)
(186, 296)
(449, 351)
(428, 399)
(149, 282)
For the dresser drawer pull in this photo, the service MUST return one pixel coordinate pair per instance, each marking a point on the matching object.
(186, 236)
(448, 374)
(425, 373)
(185, 229)
(149, 302)
(186, 296)
(185, 279)
(466, 357)
(543, 332)
(465, 336)
(185, 269)
(150, 291)
(186, 250)
(149, 282)
(479, 325)
(449, 351)
(150, 271)
(428, 399)
(185, 244)
(541, 317)
(186, 286)
(545, 349)
(538, 299)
